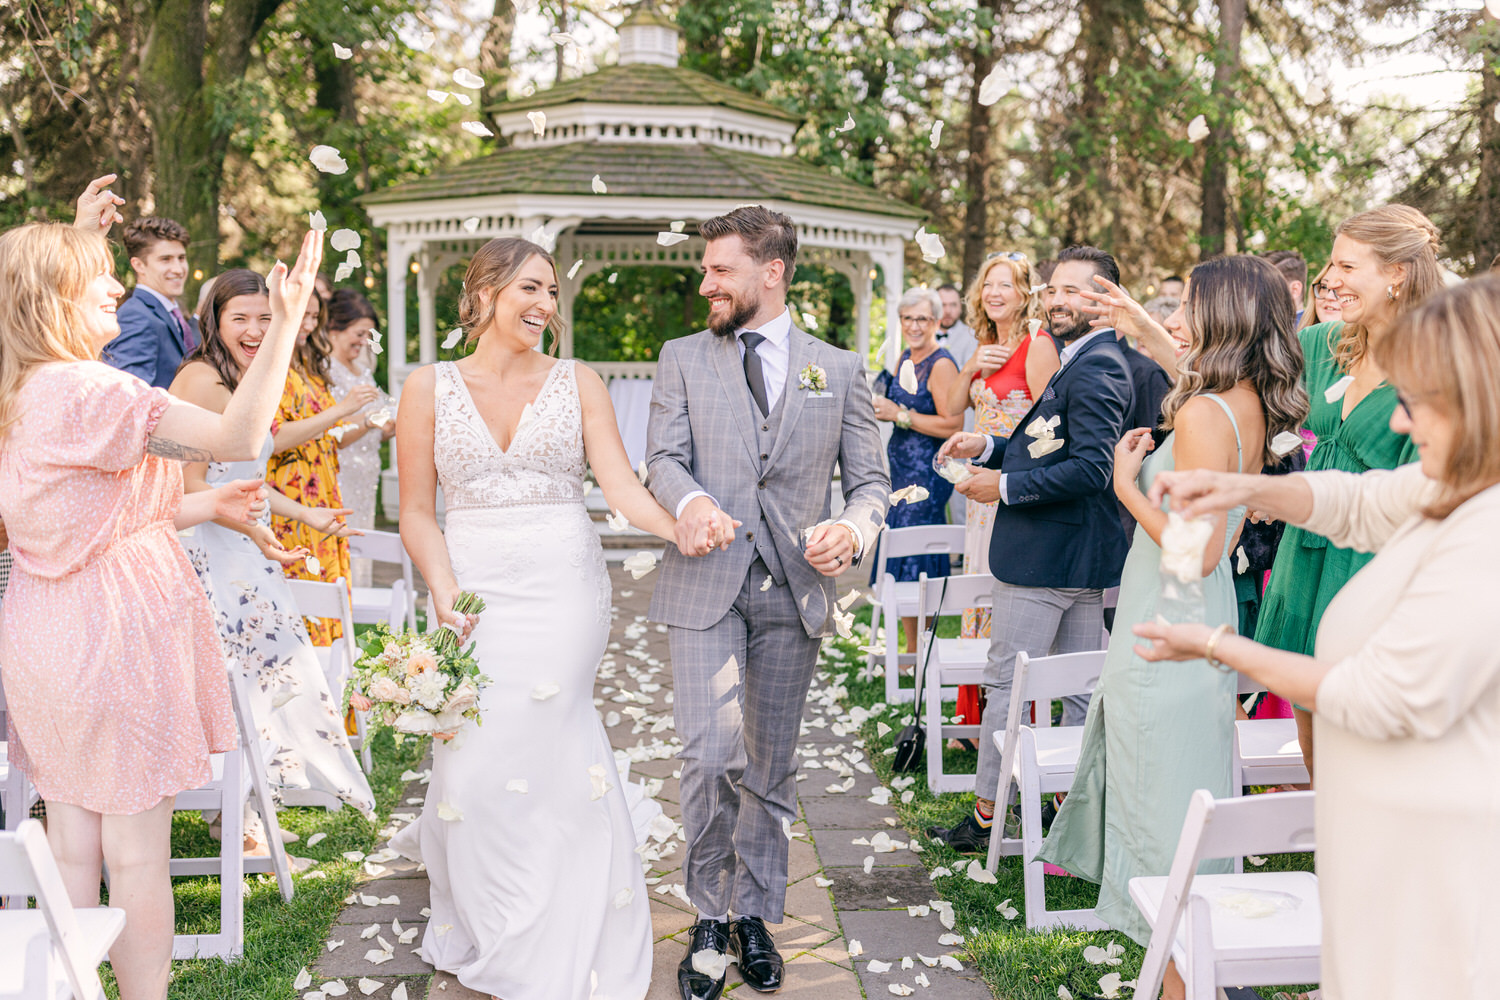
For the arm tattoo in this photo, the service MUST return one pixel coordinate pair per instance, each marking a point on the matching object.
(163, 448)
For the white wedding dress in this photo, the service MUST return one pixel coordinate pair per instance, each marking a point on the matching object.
(537, 890)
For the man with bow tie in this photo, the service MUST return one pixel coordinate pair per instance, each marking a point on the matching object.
(1057, 542)
(155, 334)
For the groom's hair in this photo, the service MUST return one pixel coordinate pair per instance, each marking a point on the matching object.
(767, 235)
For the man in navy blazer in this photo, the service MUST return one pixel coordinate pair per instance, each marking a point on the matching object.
(154, 332)
(1057, 543)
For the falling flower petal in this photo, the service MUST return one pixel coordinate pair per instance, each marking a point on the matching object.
(1197, 129)
(316, 222)
(1285, 443)
(671, 239)
(479, 129)
(598, 185)
(710, 963)
(538, 121)
(1255, 859)
(617, 521)
(471, 223)
(992, 86)
(544, 238)
(936, 135)
(343, 239)
(1335, 392)
(562, 38)
(328, 160)
(678, 225)
(907, 377)
(438, 95)
(544, 691)
(342, 53)
(848, 124)
(639, 564)
(930, 245)
(448, 814)
(353, 260)
(766, 584)
(911, 494)
(465, 78)
(573, 271)
(1241, 561)
(454, 336)
(596, 779)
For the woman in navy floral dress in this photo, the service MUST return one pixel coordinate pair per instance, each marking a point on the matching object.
(921, 428)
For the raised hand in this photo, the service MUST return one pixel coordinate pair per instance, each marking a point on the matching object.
(1113, 307)
(270, 547)
(243, 500)
(962, 445)
(330, 521)
(358, 397)
(290, 290)
(97, 206)
(1201, 491)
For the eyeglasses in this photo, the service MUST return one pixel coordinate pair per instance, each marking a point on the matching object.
(1322, 291)
(917, 321)
(1405, 403)
(1007, 255)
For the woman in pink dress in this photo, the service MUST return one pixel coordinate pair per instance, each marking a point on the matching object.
(1011, 367)
(113, 670)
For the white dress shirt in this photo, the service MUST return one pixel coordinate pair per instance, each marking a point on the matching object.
(1064, 356)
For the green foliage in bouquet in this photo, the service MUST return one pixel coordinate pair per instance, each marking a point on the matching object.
(421, 683)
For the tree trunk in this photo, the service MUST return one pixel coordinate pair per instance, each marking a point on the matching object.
(1219, 145)
(980, 154)
(494, 52)
(183, 69)
(1487, 186)
(1083, 216)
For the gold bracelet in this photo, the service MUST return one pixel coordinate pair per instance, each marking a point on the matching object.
(1213, 641)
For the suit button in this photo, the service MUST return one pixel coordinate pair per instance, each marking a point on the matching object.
(761, 484)
(764, 457)
(749, 536)
(765, 427)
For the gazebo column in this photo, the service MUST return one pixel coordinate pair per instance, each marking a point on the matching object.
(863, 286)
(399, 255)
(567, 289)
(892, 267)
(428, 276)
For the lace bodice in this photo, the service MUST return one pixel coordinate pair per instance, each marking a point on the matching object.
(545, 462)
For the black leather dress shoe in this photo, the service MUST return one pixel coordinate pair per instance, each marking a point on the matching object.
(709, 936)
(968, 837)
(760, 963)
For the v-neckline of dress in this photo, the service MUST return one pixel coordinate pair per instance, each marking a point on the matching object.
(515, 435)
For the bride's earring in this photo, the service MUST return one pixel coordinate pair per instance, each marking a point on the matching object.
(1390, 292)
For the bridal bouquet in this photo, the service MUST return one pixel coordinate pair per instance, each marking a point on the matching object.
(420, 683)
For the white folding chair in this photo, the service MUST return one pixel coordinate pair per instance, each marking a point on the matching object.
(1040, 759)
(949, 663)
(17, 795)
(1266, 751)
(317, 599)
(1214, 944)
(238, 776)
(896, 600)
(52, 952)
(397, 604)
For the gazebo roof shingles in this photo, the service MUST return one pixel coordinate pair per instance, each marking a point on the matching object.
(645, 170)
(641, 83)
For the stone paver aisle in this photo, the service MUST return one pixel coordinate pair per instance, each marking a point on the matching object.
(831, 899)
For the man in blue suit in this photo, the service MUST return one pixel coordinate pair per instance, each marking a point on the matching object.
(154, 332)
(1057, 542)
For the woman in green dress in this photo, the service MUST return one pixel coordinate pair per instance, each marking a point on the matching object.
(1384, 263)
(1154, 734)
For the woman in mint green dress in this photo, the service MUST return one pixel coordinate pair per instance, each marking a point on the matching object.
(1156, 732)
(1384, 263)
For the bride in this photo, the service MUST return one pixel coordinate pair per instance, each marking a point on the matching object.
(537, 891)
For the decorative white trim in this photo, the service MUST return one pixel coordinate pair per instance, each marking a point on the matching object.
(648, 44)
(654, 124)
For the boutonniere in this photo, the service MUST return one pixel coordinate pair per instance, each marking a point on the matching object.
(1044, 431)
(812, 377)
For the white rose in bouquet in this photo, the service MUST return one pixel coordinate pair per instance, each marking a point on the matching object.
(385, 689)
(416, 722)
(464, 697)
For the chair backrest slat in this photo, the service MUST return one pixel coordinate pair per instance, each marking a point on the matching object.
(920, 540)
(379, 546)
(27, 868)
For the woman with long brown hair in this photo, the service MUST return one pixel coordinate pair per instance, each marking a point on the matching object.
(1151, 738)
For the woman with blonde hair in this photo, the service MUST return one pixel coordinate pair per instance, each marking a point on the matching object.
(1152, 738)
(113, 670)
(1404, 679)
(1011, 367)
(537, 888)
(1322, 305)
(1384, 264)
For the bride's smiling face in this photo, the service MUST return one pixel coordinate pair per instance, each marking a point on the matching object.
(524, 307)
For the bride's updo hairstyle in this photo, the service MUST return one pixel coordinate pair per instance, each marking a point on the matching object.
(1241, 316)
(496, 265)
(46, 268)
(211, 348)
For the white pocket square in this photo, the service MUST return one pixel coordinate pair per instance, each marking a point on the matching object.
(1043, 427)
(1044, 446)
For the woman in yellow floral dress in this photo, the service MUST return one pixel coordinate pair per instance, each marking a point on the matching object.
(305, 461)
(1011, 367)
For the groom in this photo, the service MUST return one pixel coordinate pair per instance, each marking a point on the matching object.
(748, 420)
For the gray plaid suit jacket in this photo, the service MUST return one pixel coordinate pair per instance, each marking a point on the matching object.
(701, 436)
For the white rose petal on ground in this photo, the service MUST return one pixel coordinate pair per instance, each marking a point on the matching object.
(869, 863)
(639, 564)
(448, 814)
(978, 873)
(343, 239)
(466, 78)
(1063, 993)
(1095, 955)
(316, 838)
(368, 986)
(1197, 129)
(992, 87)
(900, 989)
(942, 871)
(518, 785)
(949, 962)
(821, 882)
(316, 222)
(951, 940)
(1006, 910)
(331, 945)
(479, 129)
(1109, 986)
(710, 963)
(336, 988)
(328, 160)
(856, 949)
(544, 691)
(454, 336)
(929, 962)
(340, 52)
(906, 963)
(399, 993)
(876, 966)
(303, 980)
(671, 239)
(538, 121)
(369, 932)
(598, 185)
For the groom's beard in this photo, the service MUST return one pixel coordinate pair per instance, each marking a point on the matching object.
(735, 319)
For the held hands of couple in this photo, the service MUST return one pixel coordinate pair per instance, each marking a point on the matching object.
(703, 527)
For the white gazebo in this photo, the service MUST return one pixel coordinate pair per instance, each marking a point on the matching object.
(671, 145)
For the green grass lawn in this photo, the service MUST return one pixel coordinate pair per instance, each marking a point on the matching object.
(280, 938)
(1016, 963)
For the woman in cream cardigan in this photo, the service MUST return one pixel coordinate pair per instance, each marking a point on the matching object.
(1405, 683)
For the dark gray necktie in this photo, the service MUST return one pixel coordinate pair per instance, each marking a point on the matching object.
(754, 374)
